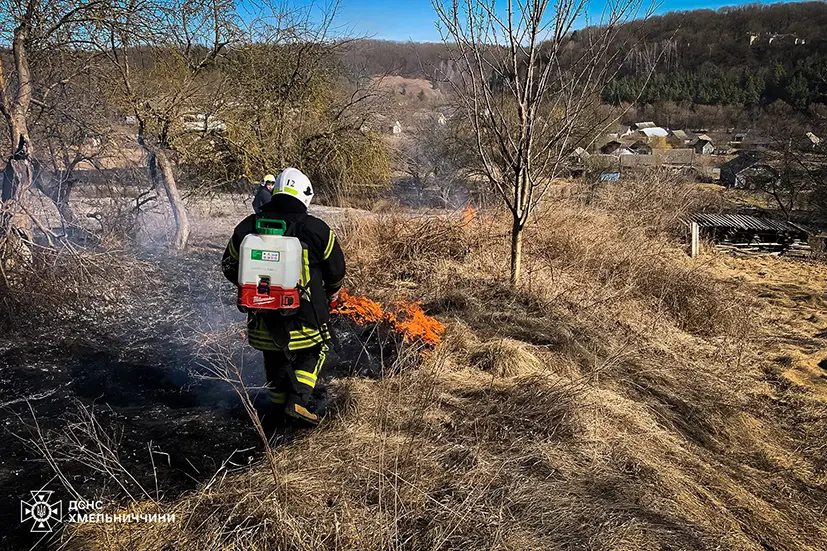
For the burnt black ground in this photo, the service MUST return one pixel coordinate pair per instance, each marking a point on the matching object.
(139, 371)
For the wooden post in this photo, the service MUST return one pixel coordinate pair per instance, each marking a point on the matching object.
(694, 230)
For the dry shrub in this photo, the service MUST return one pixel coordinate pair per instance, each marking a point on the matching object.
(117, 221)
(384, 249)
(506, 358)
(658, 201)
(65, 284)
(601, 259)
(697, 301)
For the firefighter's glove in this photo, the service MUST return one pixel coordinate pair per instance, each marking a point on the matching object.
(333, 300)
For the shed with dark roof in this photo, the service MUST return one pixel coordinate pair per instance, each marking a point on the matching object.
(745, 230)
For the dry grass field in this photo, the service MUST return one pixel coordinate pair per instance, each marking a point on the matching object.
(626, 397)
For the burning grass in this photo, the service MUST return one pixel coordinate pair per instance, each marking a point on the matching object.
(406, 319)
(620, 399)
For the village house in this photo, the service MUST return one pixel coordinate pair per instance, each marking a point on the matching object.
(678, 138)
(704, 147)
(753, 177)
(744, 170)
(610, 147)
(650, 133)
(641, 125)
(646, 130)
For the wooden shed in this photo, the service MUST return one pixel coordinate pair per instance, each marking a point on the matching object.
(751, 233)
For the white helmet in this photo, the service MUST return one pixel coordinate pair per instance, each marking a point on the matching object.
(269, 179)
(292, 181)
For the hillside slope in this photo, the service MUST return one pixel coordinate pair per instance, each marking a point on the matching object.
(626, 397)
(749, 55)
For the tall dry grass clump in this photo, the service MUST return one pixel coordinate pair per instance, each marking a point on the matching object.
(66, 283)
(617, 400)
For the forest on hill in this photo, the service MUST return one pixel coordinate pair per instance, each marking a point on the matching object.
(750, 55)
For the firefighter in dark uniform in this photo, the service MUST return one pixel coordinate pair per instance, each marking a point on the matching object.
(264, 193)
(294, 346)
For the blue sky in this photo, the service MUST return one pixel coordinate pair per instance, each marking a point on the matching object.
(414, 19)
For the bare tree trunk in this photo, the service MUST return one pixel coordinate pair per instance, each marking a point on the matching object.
(57, 185)
(15, 224)
(516, 252)
(17, 180)
(160, 169)
(18, 173)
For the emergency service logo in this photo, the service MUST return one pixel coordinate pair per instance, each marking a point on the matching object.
(45, 515)
(41, 512)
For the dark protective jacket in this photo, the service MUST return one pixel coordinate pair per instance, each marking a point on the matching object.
(324, 268)
(263, 196)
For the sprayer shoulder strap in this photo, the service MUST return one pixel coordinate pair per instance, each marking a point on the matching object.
(293, 226)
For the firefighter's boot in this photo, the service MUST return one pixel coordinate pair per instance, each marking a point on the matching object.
(301, 413)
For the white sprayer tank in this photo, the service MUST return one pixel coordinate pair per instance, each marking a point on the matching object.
(269, 267)
(276, 257)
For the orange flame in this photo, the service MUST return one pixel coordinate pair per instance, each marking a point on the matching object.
(469, 214)
(415, 325)
(407, 318)
(362, 310)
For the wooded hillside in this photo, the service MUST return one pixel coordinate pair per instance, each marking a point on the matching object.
(748, 55)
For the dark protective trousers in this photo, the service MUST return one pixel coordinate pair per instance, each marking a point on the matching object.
(292, 374)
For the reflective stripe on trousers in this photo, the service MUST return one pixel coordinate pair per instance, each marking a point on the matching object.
(309, 378)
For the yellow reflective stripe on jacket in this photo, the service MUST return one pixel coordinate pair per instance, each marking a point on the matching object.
(259, 336)
(261, 341)
(268, 345)
(305, 379)
(308, 332)
(233, 251)
(307, 337)
(306, 271)
(302, 345)
(330, 242)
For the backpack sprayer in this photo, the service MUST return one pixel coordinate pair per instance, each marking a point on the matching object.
(269, 271)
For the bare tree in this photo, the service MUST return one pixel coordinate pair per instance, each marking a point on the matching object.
(36, 30)
(164, 54)
(792, 170)
(295, 104)
(74, 130)
(436, 155)
(528, 86)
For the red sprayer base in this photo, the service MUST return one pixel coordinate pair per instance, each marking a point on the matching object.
(267, 298)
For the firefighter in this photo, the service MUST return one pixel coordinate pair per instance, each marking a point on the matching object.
(295, 345)
(264, 193)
